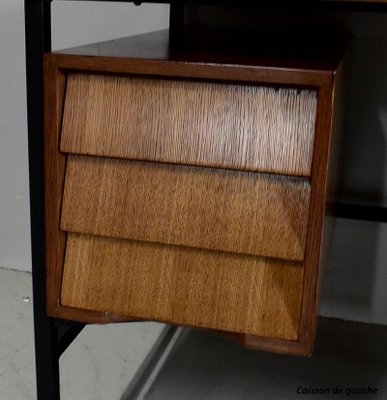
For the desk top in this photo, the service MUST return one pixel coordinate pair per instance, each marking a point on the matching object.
(235, 46)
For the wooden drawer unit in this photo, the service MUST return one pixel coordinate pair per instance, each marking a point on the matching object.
(188, 190)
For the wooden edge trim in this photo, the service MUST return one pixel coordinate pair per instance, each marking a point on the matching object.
(54, 88)
(293, 348)
(308, 321)
(242, 73)
(86, 316)
(272, 345)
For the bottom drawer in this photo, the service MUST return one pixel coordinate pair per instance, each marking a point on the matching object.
(181, 285)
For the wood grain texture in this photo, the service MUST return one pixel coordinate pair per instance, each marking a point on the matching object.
(240, 212)
(316, 218)
(324, 175)
(234, 126)
(183, 286)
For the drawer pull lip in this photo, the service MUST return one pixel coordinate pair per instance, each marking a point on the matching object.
(220, 167)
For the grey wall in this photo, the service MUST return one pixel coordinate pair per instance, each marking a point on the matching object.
(14, 212)
(357, 275)
(76, 23)
(70, 19)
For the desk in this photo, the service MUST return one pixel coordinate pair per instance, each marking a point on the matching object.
(53, 335)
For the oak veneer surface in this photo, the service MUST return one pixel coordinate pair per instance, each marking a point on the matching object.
(184, 286)
(234, 211)
(199, 123)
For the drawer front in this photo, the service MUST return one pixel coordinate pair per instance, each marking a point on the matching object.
(180, 285)
(241, 212)
(245, 127)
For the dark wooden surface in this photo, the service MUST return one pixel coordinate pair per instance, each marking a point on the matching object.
(255, 3)
(298, 51)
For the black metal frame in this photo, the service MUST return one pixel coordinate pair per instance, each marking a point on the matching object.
(53, 336)
(38, 41)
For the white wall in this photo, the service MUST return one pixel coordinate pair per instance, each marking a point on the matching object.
(357, 275)
(80, 22)
(14, 214)
(103, 21)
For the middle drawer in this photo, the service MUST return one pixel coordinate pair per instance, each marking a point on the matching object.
(217, 209)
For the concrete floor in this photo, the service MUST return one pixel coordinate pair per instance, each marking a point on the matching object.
(206, 366)
(192, 365)
(99, 365)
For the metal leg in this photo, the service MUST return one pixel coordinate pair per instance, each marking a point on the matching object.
(176, 25)
(360, 212)
(38, 40)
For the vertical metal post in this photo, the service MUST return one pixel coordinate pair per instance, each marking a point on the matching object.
(38, 41)
(176, 25)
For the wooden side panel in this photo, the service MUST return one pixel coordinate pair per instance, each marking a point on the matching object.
(184, 286)
(240, 212)
(234, 126)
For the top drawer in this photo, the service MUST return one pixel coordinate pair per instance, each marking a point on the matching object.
(237, 126)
